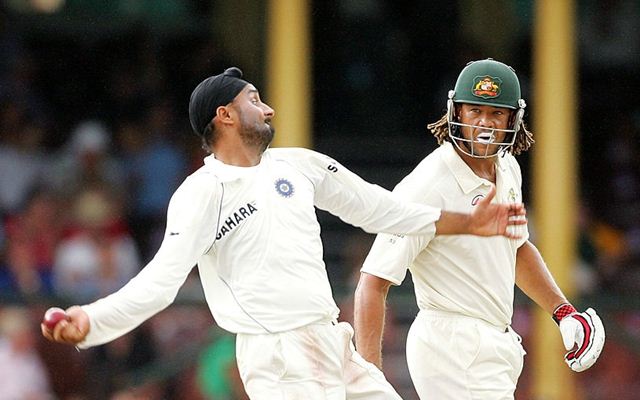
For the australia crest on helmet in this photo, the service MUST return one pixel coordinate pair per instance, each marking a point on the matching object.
(486, 87)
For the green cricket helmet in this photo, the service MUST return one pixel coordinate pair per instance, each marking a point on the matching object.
(488, 83)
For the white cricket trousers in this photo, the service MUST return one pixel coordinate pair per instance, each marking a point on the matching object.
(315, 362)
(454, 357)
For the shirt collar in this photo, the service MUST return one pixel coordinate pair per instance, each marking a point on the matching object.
(226, 172)
(464, 175)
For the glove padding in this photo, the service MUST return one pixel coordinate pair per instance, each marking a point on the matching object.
(583, 335)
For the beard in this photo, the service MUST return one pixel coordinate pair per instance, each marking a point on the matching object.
(258, 135)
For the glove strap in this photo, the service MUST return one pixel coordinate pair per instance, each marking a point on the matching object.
(562, 311)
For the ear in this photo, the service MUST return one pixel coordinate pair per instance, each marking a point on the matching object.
(224, 114)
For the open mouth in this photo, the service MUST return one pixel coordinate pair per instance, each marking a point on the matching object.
(486, 137)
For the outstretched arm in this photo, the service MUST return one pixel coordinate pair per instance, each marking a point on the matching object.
(488, 219)
(375, 210)
(192, 212)
(370, 303)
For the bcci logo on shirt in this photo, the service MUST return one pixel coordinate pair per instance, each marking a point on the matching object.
(284, 188)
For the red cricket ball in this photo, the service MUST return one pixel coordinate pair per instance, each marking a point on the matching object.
(52, 316)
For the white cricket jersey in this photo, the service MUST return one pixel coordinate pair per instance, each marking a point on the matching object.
(463, 274)
(254, 234)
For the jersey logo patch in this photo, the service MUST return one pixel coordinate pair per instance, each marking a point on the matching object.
(476, 199)
(486, 87)
(284, 188)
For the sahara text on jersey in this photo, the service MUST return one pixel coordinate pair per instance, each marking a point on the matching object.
(236, 219)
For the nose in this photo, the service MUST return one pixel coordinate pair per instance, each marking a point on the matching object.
(484, 120)
(268, 111)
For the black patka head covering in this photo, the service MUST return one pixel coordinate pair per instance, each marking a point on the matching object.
(213, 92)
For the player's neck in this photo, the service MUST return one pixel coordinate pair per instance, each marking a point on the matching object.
(237, 154)
(483, 167)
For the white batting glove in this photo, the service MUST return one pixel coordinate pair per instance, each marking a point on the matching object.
(582, 335)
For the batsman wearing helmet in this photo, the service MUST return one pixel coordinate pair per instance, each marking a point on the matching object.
(461, 344)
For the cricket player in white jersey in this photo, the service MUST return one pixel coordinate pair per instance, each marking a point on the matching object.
(247, 219)
(461, 345)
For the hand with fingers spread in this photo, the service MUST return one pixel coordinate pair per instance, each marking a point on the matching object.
(488, 219)
(71, 330)
(491, 219)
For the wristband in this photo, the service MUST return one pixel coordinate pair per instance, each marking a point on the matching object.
(562, 311)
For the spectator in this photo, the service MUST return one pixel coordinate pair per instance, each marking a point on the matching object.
(155, 168)
(22, 372)
(99, 256)
(32, 237)
(22, 162)
(86, 160)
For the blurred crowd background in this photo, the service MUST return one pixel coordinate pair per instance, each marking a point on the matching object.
(94, 139)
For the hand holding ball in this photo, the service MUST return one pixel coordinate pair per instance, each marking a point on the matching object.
(52, 316)
(73, 330)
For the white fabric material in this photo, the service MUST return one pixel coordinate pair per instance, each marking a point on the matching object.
(454, 357)
(254, 234)
(464, 274)
(314, 362)
(575, 329)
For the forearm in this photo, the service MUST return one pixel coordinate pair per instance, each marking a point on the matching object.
(535, 280)
(452, 223)
(122, 311)
(152, 290)
(369, 316)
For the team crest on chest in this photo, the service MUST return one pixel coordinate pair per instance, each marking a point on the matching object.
(512, 195)
(476, 199)
(284, 187)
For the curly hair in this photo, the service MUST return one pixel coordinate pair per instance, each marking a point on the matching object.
(524, 137)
